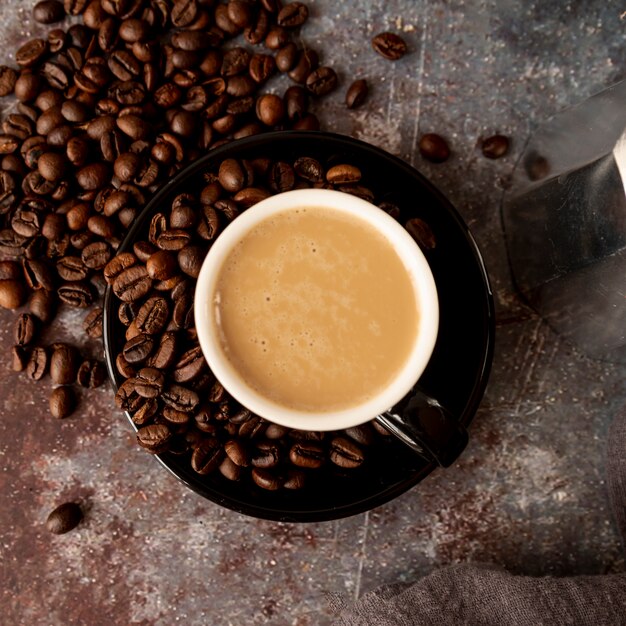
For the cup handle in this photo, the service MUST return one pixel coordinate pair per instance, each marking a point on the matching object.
(426, 427)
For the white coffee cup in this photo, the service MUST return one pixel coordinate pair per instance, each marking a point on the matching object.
(415, 264)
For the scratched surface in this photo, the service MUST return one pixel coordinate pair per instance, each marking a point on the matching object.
(528, 493)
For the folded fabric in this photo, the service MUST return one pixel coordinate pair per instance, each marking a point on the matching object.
(479, 594)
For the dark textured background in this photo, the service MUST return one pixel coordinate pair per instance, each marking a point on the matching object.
(528, 493)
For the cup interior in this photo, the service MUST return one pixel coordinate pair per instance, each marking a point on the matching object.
(407, 250)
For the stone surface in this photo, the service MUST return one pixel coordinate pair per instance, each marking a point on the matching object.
(528, 493)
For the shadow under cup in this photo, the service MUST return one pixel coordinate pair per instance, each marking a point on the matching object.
(456, 374)
(413, 263)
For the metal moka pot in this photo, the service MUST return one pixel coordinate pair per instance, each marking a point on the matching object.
(565, 224)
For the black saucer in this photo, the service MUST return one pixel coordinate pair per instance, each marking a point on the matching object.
(458, 371)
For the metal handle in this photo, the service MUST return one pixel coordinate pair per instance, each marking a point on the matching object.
(426, 427)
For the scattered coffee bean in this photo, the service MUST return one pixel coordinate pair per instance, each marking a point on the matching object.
(357, 93)
(64, 518)
(48, 12)
(64, 363)
(62, 402)
(24, 329)
(92, 324)
(434, 148)
(389, 45)
(154, 438)
(495, 147)
(37, 366)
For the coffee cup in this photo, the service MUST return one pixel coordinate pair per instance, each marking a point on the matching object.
(318, 311)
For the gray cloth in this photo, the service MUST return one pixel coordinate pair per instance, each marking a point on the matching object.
(483, 594)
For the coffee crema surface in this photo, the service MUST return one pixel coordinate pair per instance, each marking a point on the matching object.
(315, 310)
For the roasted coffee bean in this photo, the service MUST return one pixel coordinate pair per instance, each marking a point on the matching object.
(127, 398)
(37, 365)
(266, 454)
(93, 177)
(189, 366)
(38, 274)
(24, 329)
(357, 93)
(391, 208)
(344, 173)
(8, 80)
(26, 87)
(117, 265)
(231, 175)
(261, 67)
(154, 438)
(180, 398)
(91, 374)
(19, 358)
(295, 479)
(153, 315)
(270, 110)
(293, 15)
(173, 239)
(266, 479)
(207, 456)
(229, 470)
(235, 62)
(132, 283)
(422, 233)
(145, 412)
(127, 312)
(309, 169)
(345, 453)
(64, 364)
(76, 293)
(40, 304)
(434, 148)
(161, 265)
(64, 518)
(362, 434)
(495, 146)
(62, 402)
(389, 45)
(138, 348)
(149, 382)
(307, 62)
(190, 259)
(165, 354)
(31, 52)
(276, 431)
(71, 268)
(123, 65)
(252, 428)
(286, 57)
(307, 454)
(281, 177)
(124, 367)
(322, 81)
(92, 324)
(96, 255)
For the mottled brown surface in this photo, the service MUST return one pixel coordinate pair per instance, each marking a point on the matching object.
(529, 491)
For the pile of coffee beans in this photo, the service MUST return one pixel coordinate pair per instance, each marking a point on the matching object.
(168, 389)
(105, 111)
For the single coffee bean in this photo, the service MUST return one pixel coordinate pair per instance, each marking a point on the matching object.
(165, 353)
(180, 398)
(149, 382)
(138, 348)
(422, 233)
(275, 431)
(144, 414)
(266, 479)
(286, 57)
(96, 255)
(292, 15)
(266, 454)
(92, 324)
(24, 329)
(41, 304)
(295, 99)
(93, 177)
(64, 363)
(321, 81)
(270, 109)
(190, 259)
(357, 93)
(37, 364)
(117, 265)
(207, 456)
(261, 67)
(495, 147)
(62, 402)
(31, 52)
(231, 175)
(91, 374)
(345, 453)
(307, 454)
(154, 438)
(307, 122)
(389, 45)
(64, 518)
(152, 316)
(307, 62)
(132, 283)
(76, 293)
(295, 479)
(362, 434)
(229, 470)
(309, 169)
(434, 148)
(189, 366)
(71, 268)
(19, 358)
(75, 7)
(26, 87)
(344, 173)
(12, 294)
(8, 80)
